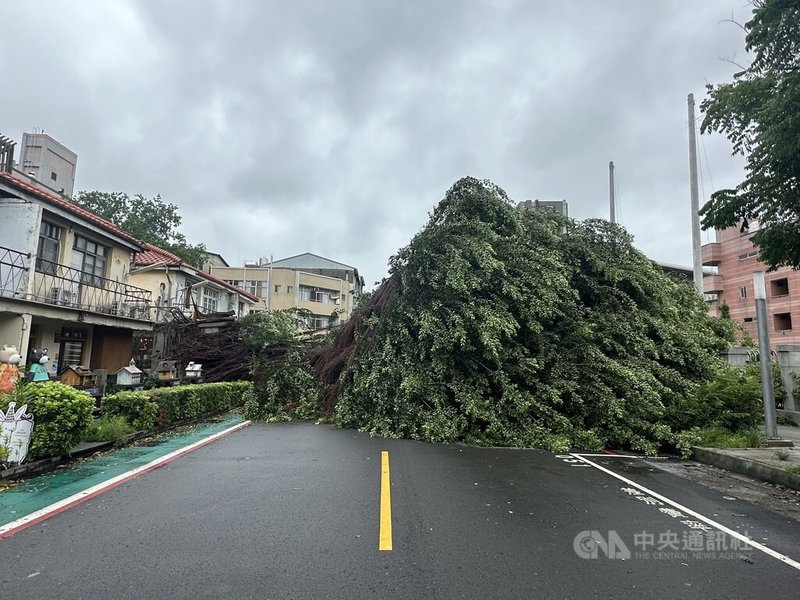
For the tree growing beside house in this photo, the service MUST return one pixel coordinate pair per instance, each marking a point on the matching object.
(148, 219)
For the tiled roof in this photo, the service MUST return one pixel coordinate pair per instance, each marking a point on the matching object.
(154, 255)
(151, 255)
(60, 202)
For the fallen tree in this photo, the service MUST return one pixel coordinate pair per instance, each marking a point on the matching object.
(521, 328)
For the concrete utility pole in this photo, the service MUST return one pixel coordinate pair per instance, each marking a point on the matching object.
(765, 358)
(611, 194)
(696, 252)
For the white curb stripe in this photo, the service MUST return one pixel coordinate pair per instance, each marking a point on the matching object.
(10, 528)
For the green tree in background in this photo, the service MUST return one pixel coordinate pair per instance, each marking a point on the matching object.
(148, 219)
(759, 113)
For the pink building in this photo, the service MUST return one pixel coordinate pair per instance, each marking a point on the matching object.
(736, 259)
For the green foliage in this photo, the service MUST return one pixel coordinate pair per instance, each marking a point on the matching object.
(731, 400)
(61, 414)
(109, 428)
(283, 391)
(284, 386)
(528, 329)
(724, 311)
(147, 219)
(782, 455)
(138, 408)
(719, 437)
(195, 400)
(758, 113)
(260, 331)
(793, 469)
(165, 405)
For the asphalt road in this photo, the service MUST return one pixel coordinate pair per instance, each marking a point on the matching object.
(293, 510)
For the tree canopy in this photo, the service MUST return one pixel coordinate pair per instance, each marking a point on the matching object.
(508, 327)
(148, 219)
(758, 111)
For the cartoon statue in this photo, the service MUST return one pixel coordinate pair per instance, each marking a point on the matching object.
(9, 368)
(37, 365)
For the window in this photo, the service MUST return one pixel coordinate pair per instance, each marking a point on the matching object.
(277, 288)
(783, 321)
(210, 300)
(310, 294)
(49, 244)
(779, 287)
(748, 255)
(748, 319)
(742, 292)
(319, 322)
(53, 176)
(289, 289)
(90, 258)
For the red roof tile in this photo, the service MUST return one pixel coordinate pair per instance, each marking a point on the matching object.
(154, 255)
(60, 202)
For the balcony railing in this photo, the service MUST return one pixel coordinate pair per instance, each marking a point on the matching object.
(13, 265)
(60, 285)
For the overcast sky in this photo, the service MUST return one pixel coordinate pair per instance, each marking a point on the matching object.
(283, 127)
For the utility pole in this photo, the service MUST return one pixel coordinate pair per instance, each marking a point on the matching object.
(764, 355)
(697, 262)
(269, 285)
(611, 196)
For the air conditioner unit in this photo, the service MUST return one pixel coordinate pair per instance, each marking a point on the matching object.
(63, 297)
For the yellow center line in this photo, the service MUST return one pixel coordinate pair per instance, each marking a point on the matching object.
(385, 538)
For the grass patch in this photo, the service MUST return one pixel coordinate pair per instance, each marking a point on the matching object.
(716, 437)
(782, 455)
(794, 469)
(109, 429)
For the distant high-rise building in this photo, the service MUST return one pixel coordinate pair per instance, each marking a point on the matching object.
(48, 161)
(558, 206)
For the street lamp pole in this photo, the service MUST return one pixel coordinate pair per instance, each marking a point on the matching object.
(765, 357)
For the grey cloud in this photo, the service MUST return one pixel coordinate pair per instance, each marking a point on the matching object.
(283, 127)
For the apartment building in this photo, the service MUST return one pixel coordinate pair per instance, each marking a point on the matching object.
(735, 259)
(64, 278)
(176, 285)
(325, 287)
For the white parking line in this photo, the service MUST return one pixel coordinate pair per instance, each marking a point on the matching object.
(735, 534)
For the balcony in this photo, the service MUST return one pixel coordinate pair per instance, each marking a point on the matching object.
(712, 254)
(59, 285)
(712, 284)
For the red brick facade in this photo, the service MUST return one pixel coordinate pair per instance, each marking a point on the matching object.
(736, 260)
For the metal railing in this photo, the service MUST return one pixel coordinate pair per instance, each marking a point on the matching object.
(13, 265)
(60, 285)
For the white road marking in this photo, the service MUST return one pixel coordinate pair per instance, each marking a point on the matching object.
(735, 534)
(10, 528)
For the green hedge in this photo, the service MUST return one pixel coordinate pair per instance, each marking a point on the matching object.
(161, 406)
(61, 416)
(138, 408)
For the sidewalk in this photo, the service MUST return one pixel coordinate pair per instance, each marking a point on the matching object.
(773, 465)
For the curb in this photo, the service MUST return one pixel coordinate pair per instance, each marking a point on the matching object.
(43, 465)
(752, 468)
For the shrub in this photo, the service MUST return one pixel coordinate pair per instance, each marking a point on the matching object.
(190, 401)
(61, 415)
(731, 400)
(109, 428)
(281, 391)
(138, 408)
